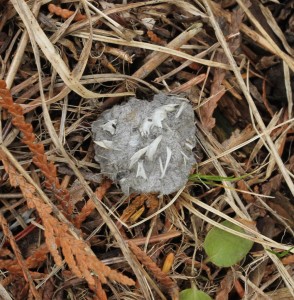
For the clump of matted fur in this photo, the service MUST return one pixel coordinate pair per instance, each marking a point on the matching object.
(147, 146)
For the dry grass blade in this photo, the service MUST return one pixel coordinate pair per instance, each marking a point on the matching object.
(36, 33)
(256, 37)
(254, 235)
(283, 55)
(4, 294)
(20, 51)
(289, 91)
(155, 59)
(166, 50)
(246, 93)
(217, 86)
(161, 276)
(271, 21)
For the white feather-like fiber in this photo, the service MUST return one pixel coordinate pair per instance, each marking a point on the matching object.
(141, 170)
(153, 147)
(37, 34)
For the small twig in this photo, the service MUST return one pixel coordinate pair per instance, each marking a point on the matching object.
(155, 59)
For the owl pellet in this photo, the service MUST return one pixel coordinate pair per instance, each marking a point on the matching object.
(146, 146)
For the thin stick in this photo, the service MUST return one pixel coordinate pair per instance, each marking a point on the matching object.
(156, 59)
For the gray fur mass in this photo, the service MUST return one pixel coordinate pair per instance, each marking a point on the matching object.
(147, 146)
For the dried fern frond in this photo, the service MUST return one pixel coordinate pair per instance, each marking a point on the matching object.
(77, 254)
(149, 200)
(65, 13)
(8, 234)
(32, 261)
(37, 149)
(89, 207)
(162, 277)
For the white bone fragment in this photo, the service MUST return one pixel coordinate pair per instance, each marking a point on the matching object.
(180, 110)
(160, 165)
(110, 126)
(137, 155)
(161, 113)
(168, 157)
(170, 107)
(189, 146)
(185, 157)
(140, 170)
(145, 127)
(153, 147)
(158, 116)
(156, 119)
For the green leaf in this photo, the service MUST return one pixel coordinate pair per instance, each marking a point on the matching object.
(225, 249)
(193, 294)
